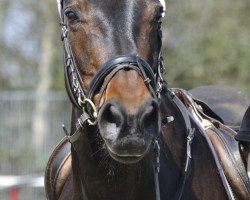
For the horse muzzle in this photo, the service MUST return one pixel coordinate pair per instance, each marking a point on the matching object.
(128, 137)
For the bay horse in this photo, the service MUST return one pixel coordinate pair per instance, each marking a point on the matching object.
(131, 136)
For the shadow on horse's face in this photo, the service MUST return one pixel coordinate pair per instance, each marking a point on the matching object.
(128, 116)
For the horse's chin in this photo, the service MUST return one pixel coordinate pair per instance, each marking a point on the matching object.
(127, 156)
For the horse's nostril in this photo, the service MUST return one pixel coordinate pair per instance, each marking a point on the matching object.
(148, 111)
(114, 115)
(114, 122)
(111, 119)
(149, 118)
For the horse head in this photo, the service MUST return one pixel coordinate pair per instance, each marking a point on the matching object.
(113, 70)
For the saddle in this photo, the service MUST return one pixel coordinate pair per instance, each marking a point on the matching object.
(58, 170)
(228, 150)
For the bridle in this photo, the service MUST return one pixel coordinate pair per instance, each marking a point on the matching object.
(83, 98)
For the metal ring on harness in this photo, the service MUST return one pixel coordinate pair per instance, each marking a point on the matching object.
(94, 114)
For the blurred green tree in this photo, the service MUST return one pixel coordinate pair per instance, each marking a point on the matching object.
(208, 42)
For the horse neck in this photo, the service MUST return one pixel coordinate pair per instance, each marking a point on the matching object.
(202, 168)
(97, 176)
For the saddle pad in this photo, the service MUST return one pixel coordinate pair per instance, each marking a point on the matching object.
(58, 169)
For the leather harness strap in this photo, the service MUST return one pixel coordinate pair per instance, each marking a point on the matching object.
(190, 135)
(202, 125)
(216, 159)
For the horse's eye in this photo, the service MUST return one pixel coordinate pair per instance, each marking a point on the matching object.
(71, 15)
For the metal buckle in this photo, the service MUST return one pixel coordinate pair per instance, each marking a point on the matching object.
(94, 115)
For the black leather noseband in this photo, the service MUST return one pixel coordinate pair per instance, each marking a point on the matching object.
(108, 70)
(123, 62)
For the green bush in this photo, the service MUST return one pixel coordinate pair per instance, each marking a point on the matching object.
(207, 42)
